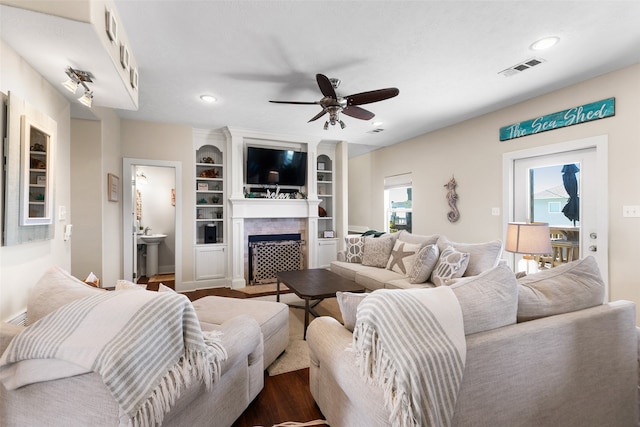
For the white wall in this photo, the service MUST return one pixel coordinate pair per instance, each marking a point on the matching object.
(473, 153)
(22, 265)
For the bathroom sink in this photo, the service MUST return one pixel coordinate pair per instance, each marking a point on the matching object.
(153, 238)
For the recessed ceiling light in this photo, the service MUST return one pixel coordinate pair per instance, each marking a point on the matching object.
(208, 98)
(545, 43)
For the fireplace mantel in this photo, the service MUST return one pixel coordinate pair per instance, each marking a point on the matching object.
(250, 209)
(274, 208)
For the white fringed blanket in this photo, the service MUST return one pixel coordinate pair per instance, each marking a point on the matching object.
(147, 346)
(412, 344)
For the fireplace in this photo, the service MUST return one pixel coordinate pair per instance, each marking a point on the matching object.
(272, 253)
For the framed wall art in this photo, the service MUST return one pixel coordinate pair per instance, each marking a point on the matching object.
(113, 187)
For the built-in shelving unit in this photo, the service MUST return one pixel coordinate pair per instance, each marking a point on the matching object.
(210, 211)
(209, 195)
(327, 236)
(325, 194)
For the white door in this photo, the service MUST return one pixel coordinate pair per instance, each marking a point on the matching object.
(539, 194)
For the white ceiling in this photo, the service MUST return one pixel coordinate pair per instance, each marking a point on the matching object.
(443, 56)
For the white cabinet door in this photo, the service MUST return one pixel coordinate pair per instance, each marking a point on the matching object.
(210, 262)
(327, 252)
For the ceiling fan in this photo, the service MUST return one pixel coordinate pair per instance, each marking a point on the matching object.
(334, 105)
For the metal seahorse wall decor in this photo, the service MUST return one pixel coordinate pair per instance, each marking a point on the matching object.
(452, 199)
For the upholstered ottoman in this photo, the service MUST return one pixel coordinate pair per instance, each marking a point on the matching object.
(273, 318)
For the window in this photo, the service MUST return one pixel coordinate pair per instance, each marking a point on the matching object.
(554, 207)
(398, 202)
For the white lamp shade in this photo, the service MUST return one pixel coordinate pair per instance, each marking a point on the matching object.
(528, 238)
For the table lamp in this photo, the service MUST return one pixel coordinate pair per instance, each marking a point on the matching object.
(531, 238)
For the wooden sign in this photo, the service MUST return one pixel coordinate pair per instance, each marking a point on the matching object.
(573, 116)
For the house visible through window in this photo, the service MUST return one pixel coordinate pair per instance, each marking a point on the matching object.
(398, 202)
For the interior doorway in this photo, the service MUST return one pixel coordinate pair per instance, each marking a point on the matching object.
(565, 185)
(135, 172)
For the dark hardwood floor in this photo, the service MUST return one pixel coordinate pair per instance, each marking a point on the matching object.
(285, 397)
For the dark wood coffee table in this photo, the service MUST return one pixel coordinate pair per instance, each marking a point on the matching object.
(314, 284)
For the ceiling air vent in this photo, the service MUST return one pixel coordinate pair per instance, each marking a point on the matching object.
(518, 68)
(376, 130)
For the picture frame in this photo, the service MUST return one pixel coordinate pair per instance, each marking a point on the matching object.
(133, 77)
(203, 186)
(321, 166)
(124, 56)
(112, 25)
(113, 188)
(328, 234)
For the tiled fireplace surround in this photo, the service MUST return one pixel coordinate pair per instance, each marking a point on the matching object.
(263, 226)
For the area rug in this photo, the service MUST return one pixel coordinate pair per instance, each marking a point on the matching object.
(296, 355)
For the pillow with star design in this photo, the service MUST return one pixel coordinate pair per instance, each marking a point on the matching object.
(402, 257)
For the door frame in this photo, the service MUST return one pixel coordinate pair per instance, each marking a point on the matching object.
(601, 145)
(128, 223)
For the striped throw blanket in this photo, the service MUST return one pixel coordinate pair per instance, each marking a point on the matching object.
(147, 346)
(411, 343)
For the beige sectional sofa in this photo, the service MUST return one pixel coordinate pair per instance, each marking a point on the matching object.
(540, 351)
(375, 273)
(84, 400)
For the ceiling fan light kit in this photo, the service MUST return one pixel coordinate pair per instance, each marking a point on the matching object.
(333, 104)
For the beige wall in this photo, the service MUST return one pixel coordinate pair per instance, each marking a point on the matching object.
(473, 153)
(162, 141)
(22, 265)
(86, 206)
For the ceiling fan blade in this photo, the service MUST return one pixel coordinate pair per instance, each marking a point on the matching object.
(317, 116)
(372, 96)
(325, 86)
(295, 102)
(358, 113)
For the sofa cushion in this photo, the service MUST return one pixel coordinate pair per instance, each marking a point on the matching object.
(55, 288)
(355, 248)
(375, 278)
(404, 283)
(451, 264)
(424, 263)
(482, 256)
(125, 285)
(402, 257)
(377, 250)
(348, 303)
(347, 270)
(422, 240)
(569, 287)
(488, 300)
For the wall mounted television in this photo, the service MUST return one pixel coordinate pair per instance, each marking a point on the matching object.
(268, 166)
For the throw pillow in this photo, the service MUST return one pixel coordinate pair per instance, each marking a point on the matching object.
(55, 288)
(125, 285)
(164, 288)
(423, 264)
(569, 287)
(348, 303)
(451, 264)
(355, 248)
(488, 300)
(402, 257)
(377, 250)
(482, 256)
(423, 240)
